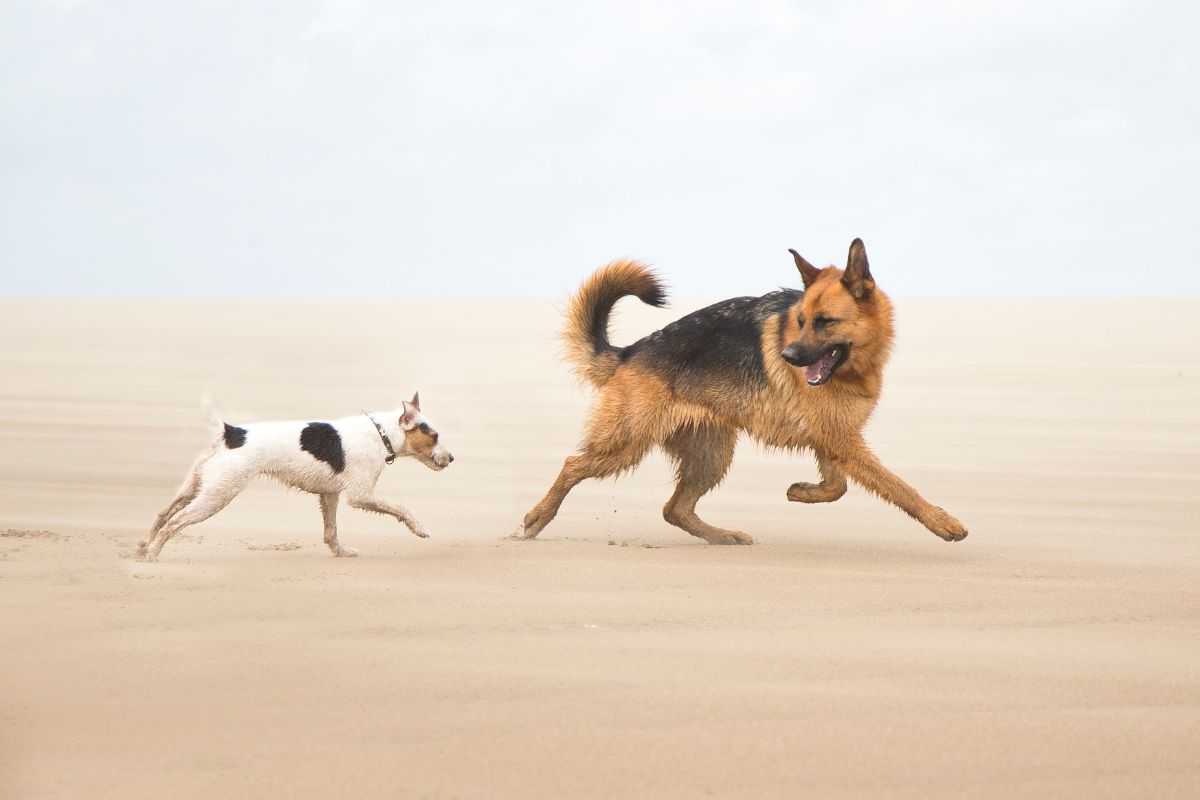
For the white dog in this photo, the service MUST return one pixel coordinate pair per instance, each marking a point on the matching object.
(324, 458)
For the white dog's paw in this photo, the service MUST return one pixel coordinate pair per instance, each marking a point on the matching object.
(346, 552)
(420, 532)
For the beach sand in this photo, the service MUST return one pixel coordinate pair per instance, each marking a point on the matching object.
(849, 653)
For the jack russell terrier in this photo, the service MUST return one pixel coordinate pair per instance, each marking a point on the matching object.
(324, 458)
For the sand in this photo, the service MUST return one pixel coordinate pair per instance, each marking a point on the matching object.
(849, 653)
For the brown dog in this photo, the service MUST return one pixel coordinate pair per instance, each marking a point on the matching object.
(792, 369)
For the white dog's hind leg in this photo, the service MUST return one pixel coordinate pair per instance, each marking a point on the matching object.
(329, 504)
(187, 492)
(371, 503)
(207, 502)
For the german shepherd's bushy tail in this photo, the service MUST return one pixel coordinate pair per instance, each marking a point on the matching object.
(586, 332)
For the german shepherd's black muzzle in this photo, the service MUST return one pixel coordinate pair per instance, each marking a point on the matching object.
(819, 363)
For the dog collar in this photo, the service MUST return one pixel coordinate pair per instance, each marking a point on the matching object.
(391, 456)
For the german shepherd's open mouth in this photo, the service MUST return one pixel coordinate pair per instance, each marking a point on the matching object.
(818, 371)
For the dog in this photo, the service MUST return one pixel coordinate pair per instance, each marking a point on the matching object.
(796, 370)
(324, 458)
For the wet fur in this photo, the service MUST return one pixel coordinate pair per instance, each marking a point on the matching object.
(691, 387)
(328, 459)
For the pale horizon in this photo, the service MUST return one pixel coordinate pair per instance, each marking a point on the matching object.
(355, 149)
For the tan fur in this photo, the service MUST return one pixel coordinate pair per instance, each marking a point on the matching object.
(600, 291)
(420, 443)
(637, 410)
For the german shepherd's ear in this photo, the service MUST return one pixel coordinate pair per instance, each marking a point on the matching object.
(857, 277)
(808, 273)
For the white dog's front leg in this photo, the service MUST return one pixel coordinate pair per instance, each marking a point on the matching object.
(329, 504)
(371, 503)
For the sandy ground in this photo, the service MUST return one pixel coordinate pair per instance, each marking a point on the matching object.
(1054, 653)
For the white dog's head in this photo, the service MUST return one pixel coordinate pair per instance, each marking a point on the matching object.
(420, 437)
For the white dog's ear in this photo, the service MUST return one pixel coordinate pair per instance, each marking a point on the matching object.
(416, 401)
(407, 420)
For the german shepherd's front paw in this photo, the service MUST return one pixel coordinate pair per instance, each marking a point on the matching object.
(803, 492)
(719, 536)
(944, 525)
(521, 534)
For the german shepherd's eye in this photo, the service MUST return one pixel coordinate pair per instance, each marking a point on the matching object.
(821, 323)
(800, 322)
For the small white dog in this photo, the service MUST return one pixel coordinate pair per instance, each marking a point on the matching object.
(324, 458)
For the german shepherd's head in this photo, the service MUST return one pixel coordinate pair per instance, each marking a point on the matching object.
(843, 323)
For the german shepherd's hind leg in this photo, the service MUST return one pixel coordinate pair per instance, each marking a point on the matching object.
(574, 470)
(589, 464)
(831, 487)
(702, 456)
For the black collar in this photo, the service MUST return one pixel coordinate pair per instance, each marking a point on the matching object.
(391, 456)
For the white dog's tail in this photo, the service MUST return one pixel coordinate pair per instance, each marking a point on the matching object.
(211, 413)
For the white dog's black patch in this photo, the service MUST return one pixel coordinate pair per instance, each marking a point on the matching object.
(235, 437)
(324, 443)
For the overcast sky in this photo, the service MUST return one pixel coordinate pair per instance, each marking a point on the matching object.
(388, 149)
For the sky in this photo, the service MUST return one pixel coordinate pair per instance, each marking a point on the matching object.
(347, 148)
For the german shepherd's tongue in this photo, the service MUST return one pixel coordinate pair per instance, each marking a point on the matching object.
(815, 373)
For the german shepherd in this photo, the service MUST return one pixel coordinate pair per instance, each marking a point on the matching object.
(793, 369)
